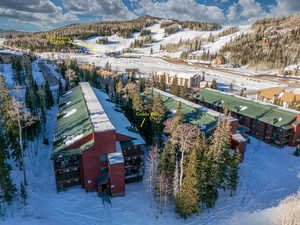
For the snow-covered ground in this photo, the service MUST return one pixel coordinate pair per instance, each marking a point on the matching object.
(37, 74)
(149, 65)
(267, 176)
(7, 72)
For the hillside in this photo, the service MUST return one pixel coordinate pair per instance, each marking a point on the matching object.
(272, 44)
(39, 41)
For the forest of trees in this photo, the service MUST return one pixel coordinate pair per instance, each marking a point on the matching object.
(267, 50)
(38, 41)
(189, 170)
(102, 41)
(140, 43)
(21, 121)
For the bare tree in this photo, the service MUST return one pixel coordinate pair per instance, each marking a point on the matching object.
(184, 136)
(153, 162)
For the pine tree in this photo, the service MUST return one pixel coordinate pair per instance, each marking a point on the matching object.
(7, 188)
(187, 200)
(220, 152)
(158, 115)
(162, 82)
(233, 175)
(174, 86)
(142, 85)
(49, 97)
(168, 159)
(231, 87)
(119, 89)
(185, 90)
(136, 101)
(213, 84)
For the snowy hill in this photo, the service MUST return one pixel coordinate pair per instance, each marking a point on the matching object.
(117, 44)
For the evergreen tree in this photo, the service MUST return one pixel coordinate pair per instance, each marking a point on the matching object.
(49, 97)
(220, 153)
(7, 188)
(158, 116)
(231, 87)
(185, 90)
(119, 89)
(187, 200)
(214, 84)
(174, 86)
(162, 82)
(168, 160)
(233, 171)
(142, 85)
(136, 101)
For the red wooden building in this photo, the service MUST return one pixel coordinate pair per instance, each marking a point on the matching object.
(94, 144)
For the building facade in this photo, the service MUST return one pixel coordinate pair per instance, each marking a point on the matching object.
(273, 124)
(93, 146)
(202, 117)
(193, 79)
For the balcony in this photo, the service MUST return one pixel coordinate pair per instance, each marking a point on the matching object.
(67, 176)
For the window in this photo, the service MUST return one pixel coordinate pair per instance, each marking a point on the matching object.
(102, 158)
(103, 169)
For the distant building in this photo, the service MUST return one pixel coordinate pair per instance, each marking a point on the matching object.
(269, 95)
(267, 122)
(220, 60)
(94, 144)
(289, 100)
(204, 118)
(193, 79)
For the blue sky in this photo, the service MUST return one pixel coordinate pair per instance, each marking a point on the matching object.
(38, 15)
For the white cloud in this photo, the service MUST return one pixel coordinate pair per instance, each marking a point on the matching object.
(41, 13)
(182, 10)
(248, 11)
(251, 9)
(106, 9)
(285, 7)
(232, 14)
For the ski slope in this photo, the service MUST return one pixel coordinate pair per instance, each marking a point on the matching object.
(117, 44)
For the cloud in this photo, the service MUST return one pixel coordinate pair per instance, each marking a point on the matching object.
(285, 7)
(183, 10)
(248, 11)
(106, 9)
(41, 13)
(251, 10)
(233, 14)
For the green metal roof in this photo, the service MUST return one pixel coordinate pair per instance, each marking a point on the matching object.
(72, 121)
(191, 114)
(269, 114)
(72, 151)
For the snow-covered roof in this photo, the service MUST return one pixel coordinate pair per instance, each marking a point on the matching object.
(115, 158)
(98, 116)
(118, 119)
(192, 104)
(239, 138)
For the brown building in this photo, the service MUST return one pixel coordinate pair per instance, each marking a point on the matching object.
(94, 145)
(193, 79)
(271, 123)
(269, 95)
